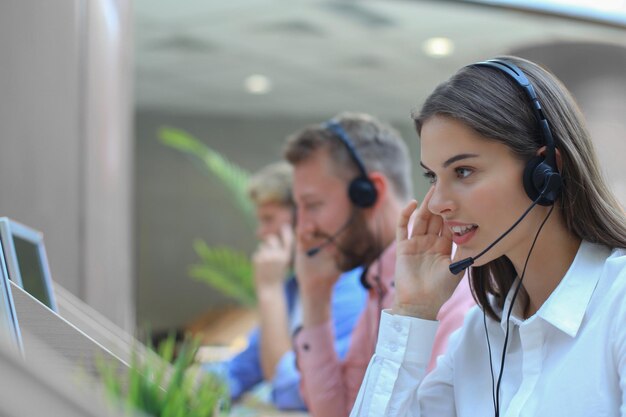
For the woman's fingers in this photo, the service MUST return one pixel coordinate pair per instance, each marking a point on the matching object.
(445, 241)
(435, 223)
(402, 232)
(420, 226)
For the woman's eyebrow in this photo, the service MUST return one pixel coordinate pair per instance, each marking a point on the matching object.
(458, 157)
(452, 160)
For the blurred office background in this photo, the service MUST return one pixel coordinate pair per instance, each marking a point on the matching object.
(87, 84)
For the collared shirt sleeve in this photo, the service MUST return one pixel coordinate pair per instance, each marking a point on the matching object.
(396, 370)
(321, 349)
(451, 317)
(323, 387)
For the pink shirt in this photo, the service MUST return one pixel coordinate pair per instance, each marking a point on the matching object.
(330, 386)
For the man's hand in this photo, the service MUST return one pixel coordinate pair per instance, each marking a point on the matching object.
(316, 277)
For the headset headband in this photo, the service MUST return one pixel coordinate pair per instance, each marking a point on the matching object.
(335, 127)
(517, 75)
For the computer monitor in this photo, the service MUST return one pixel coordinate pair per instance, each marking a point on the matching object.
(9, 328)
(26, 260)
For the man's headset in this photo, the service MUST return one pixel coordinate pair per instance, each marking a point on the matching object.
(542, 180)
(361, 190)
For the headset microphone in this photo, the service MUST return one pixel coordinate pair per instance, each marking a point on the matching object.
(331, 239)
(314, 251)
(552, 181)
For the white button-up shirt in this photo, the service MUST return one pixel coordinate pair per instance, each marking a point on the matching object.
(569, 359)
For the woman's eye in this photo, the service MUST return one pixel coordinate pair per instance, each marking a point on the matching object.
(430, 177)
(463, 172)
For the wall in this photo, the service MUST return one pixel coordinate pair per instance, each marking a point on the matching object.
(65, 152)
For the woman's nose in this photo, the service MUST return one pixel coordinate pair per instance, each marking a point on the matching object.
(442, 201)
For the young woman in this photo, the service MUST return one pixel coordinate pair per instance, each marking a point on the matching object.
(516, 185)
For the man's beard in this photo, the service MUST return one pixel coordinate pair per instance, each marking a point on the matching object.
(358, 247)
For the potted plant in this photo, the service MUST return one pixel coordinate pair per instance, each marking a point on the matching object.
(165, 386)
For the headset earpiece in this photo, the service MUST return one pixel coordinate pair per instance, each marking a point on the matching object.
(361, 190)
(540, 177)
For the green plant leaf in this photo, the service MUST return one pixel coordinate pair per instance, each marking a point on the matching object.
(225, 269)
(178, 395)
(233, 177)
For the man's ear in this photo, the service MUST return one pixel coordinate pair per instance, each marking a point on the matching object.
(557, 156)
(381, 184)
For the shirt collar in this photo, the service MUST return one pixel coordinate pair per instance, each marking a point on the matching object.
(566, 306)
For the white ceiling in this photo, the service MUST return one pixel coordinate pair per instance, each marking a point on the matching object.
(322, 57)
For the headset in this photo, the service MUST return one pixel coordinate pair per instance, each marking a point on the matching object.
(541, 171)
(361, 190)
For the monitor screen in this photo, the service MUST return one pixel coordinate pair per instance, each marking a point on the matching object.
(31, 269)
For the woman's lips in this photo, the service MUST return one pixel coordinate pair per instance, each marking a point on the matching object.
(461, 234)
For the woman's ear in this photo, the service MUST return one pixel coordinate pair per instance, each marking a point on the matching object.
(557, 156)
(559, 160)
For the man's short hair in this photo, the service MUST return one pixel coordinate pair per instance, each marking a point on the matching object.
(272, 184)
(380, 147)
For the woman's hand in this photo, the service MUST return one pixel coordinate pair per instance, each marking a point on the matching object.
(423, 280)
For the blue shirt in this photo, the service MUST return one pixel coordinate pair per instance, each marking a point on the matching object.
(243, 371)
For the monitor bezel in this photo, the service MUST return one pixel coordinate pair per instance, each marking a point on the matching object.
(8, 305)
(10, 228)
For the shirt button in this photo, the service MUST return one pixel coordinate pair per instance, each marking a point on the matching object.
(397, 327)
(393, 347)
